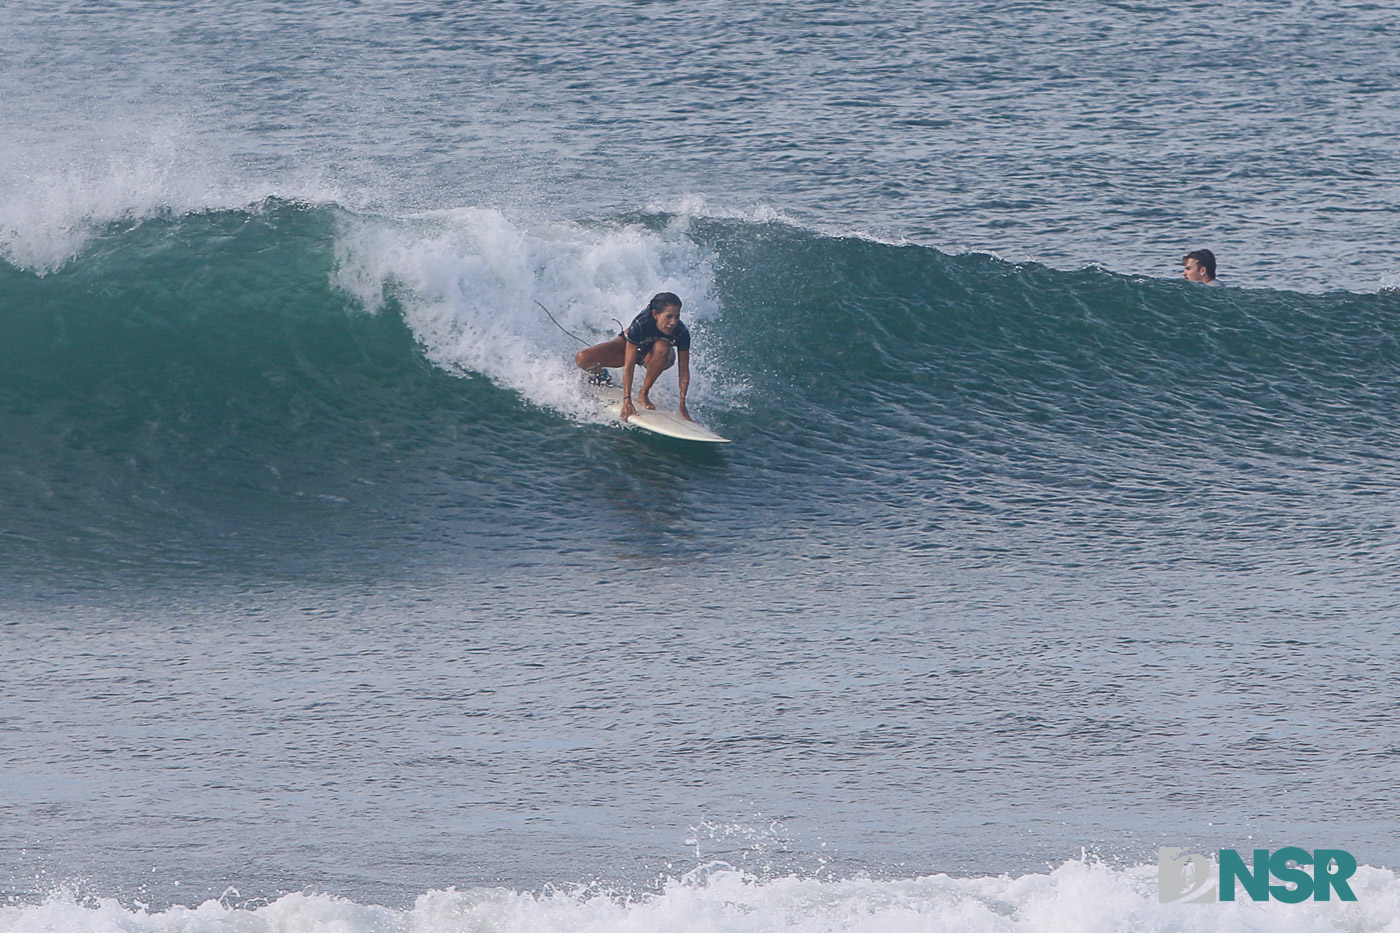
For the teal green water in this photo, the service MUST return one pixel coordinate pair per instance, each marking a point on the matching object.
(200, 389)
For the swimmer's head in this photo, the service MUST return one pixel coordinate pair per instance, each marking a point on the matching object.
(1198, 266)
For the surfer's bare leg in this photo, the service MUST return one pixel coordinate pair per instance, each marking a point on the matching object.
(594, 359)
(657, 361)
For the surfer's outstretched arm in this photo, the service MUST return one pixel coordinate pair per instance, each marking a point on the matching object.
(629, 366)
(683, 376)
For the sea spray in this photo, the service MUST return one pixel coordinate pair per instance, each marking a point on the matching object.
(471, 284)
(1083, 895)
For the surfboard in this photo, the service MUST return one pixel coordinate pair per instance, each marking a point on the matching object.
(659, 420)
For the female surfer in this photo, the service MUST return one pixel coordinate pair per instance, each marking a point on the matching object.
(656, 339)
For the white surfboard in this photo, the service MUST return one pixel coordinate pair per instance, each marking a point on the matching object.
(659, 420)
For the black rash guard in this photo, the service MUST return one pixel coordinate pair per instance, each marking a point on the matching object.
(643, 332)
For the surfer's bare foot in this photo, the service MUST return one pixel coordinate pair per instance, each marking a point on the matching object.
(683, 413)
(646, 402)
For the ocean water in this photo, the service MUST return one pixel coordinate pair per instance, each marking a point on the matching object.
(330, 602)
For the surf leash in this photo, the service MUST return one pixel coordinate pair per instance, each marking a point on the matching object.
(620, 328)
(561, 326)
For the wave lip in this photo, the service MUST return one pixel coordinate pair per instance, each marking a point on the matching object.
(488, 295)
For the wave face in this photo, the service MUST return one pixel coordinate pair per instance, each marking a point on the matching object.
(236, 385)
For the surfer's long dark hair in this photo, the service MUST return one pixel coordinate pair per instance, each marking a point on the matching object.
(663, 300)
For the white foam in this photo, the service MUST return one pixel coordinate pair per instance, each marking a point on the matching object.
(697, 206)
(1079, 896)
(52, 203)
(468, 281)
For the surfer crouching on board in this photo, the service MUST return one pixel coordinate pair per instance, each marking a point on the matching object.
(656, 339)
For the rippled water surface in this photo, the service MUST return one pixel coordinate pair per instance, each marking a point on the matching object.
(1084, 133)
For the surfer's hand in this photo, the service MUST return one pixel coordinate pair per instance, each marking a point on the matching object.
(627, 409)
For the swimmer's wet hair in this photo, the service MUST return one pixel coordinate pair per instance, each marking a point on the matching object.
(1205, 257)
